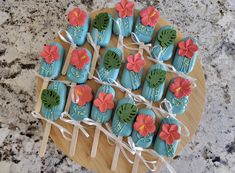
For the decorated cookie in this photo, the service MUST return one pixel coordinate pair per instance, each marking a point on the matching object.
(53, 100)
(79, 65)
(81, 102)
(154, 83)
(186, 55)
(78, 25)
(144, 128)
(132, 73)
(168, 137)
(124, 18)
(164, 44)
(52, 60)
(102, 28)
(178, 93)
(145, 24)
(124, 117)
(103, 104)
(110, 65)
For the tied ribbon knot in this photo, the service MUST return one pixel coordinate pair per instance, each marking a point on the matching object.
(74, 122)
(68, 39)
(93, 43)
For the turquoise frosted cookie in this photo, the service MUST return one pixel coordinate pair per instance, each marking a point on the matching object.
(79, 66)
(186, 55)
(164, 44)
(81, 102)
(124, 18)
(78, 27)
(102, 27)
(168, 137)
(53, 100)
(52, 61)
(132, 73)
(124, 116)
(103, 104)
(178, 94)
(110, 65)
(154, 83)
(145, 24)
(144, 128)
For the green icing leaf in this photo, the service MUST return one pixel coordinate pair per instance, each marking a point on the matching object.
(156, 77)
(101, 21)
(166, 37)
(50, 98)
(127, 112)
(112, 60)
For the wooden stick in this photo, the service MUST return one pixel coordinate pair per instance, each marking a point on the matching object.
(39, 101)
(136, 163)
(67, 60)
(45, 139)
(95, 143)
(93, 63)
(159, 165)
(116, 156)
(73, 143)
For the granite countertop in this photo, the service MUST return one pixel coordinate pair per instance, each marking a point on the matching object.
(26, 25)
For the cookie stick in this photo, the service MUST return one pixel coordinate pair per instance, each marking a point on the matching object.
(102, 111)
(123, 119)
(52, 108)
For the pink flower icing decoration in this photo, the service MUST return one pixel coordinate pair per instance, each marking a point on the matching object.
(144, 125)
(149, 16)
(135, 63)
(50, 53)
(124, 8)
(181, 87)
(169, 133)
(104, 102)
(187, 48)
(82, 94)
(79, 58)
(77, 17)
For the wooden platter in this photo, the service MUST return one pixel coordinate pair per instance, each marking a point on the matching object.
(102, 163)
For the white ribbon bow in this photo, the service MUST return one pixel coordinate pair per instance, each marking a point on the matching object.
(74, 122)
(93, 43)
(68, 39)
(63, 130)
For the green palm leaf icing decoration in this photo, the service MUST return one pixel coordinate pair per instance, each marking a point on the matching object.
(50, 98)
(112, 60)
(166, 37)
(127, 112)
(101, 21)
(156, 77)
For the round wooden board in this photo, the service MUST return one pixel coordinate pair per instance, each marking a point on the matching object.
(103, 160)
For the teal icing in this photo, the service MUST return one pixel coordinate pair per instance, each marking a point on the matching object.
(179, 106)
(184, 64)
(144, 33)
(131, 79)
(102, 117)
(79, 76)
(120, 128)
(160, 146)
(52, 70)
(160, 52)
(79, 112)
(140, 141)
(109, 75)
(103, 36)
(126, 25)
(154, 94)
(55, 112)
(79, 33)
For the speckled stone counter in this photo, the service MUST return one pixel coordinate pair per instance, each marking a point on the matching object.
(26, 25)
